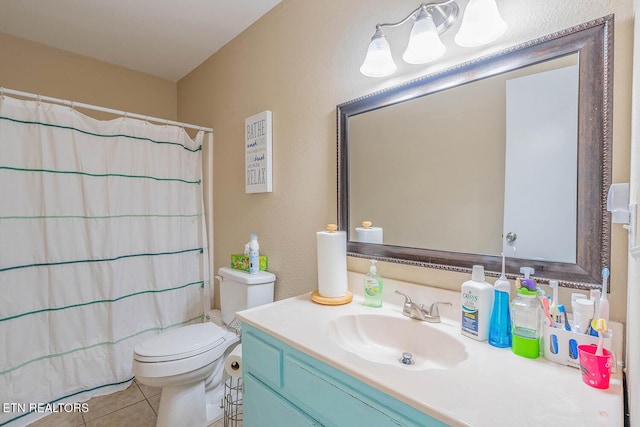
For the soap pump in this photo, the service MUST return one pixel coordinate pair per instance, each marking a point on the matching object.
(526, 311)
(500, 324)
(373, 287)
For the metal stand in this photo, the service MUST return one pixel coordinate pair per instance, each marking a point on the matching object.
(233, 388)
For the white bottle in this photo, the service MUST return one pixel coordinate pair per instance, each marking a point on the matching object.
(477, 303)
(254, 255)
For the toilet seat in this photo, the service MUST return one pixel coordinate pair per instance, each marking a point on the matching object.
(181, 343)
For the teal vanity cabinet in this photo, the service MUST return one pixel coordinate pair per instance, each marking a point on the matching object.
(286, 387)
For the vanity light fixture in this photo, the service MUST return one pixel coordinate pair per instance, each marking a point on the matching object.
(481, 24)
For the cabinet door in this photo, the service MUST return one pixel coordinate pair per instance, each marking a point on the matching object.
(266, 408)
(334, 403)
(262, 358)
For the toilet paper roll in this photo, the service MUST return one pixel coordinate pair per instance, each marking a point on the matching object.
(233, 362)
(369, 234)
(332, 264)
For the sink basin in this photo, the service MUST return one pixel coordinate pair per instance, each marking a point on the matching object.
(382, 339)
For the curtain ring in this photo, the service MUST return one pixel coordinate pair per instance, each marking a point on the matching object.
(39, 100)
(1, 93)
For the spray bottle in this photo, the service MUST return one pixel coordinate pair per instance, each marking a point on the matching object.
(254, 254)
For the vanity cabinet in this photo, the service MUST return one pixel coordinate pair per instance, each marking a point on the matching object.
(284, 386)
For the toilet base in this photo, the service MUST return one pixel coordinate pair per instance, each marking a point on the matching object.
(215, 407)
(182, 405)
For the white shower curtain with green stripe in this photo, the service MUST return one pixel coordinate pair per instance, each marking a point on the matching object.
(101, 246)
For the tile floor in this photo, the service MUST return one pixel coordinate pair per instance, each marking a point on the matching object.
(137, 406)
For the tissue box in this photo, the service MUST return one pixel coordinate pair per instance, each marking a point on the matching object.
(241, 262)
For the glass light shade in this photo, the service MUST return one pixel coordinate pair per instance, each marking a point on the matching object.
(481, 24)
(424, 43)
(378, 62)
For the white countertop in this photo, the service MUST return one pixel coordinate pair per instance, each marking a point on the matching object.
(492, 387)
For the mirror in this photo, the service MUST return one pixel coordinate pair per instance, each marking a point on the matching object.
(508, 153)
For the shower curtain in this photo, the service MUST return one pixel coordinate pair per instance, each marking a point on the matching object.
(101, 246)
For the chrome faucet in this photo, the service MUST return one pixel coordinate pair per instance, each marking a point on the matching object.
(420, 312)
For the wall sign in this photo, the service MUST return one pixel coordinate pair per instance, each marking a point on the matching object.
(257, 150)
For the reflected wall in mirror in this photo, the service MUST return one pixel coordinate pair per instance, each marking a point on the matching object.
(474, 156)
(509, 153)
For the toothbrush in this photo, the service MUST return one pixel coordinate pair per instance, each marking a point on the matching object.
(601, 327)
(553, 308)
(595, 297)
(545, 305)
(604, 303)
(567, 325)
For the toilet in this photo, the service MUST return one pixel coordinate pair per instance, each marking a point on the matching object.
(188, 362)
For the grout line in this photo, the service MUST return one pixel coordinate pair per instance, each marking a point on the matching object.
(113, 412)
(84, 422)
(152, 408)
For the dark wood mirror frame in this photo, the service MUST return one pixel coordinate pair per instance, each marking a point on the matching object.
(593, 41)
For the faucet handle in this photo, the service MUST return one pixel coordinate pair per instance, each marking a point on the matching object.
(433, 310)
(408, 306)
(407, 299)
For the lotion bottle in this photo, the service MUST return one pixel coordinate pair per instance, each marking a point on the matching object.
(477, 301)
(373, 287)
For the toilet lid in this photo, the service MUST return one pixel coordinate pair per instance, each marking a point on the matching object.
(180, 343)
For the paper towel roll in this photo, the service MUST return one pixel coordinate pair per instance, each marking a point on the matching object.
(369, 234)
(233, 362)
(332, 263)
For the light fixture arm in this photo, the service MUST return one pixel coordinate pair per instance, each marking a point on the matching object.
(447, 13)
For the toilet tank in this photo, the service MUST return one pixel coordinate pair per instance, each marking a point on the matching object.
(240, 290)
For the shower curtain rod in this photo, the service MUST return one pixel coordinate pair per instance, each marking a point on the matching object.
(102, 109)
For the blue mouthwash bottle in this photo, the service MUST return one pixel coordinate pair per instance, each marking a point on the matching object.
(500, 323)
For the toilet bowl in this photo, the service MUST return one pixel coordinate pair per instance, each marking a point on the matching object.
(187, 362)
(181, 362)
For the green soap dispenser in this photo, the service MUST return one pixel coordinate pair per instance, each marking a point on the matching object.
(526, 312)
(373, 287)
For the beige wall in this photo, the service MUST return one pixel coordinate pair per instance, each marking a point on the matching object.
(300, 61)
(32, 67)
